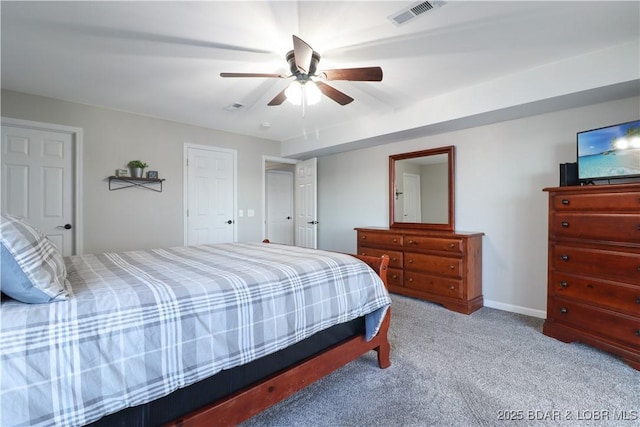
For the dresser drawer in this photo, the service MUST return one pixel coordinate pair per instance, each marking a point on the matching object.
(385, 239)
(443, 244)
(609, 324)
(615, 296)
(612, 265)
(433, 264)
(608, 227)
(394, 277)
(629, 201)
(433, 284)
(395, 257)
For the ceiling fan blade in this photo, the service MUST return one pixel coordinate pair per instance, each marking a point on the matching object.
(279, 99)
(252, 75)
(302, 53)
(367, 74)
(333, 93)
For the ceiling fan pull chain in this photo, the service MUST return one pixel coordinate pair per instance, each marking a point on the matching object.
(304, 101)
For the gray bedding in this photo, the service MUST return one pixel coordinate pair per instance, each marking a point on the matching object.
(138, 325)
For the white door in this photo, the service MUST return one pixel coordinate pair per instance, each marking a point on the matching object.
(210, 193)
(279, 201)
(306, 224)
(412, 199)
(37, 181)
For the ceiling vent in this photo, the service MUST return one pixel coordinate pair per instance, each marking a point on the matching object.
(412, 12)
(234, 107)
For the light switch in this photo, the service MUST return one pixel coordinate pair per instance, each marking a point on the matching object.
(251, 212)
(240, 212)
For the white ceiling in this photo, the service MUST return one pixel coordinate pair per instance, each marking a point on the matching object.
(163, 59)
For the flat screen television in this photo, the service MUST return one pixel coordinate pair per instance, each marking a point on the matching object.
(610, 152)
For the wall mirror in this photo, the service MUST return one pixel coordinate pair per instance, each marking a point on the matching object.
(422, 189)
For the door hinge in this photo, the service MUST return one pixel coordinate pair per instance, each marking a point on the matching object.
(187, 212)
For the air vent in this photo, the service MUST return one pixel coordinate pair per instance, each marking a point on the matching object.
(412, 12)
(234, 107)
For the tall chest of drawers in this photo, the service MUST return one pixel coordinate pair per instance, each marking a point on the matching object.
(438, 266)
(593, 291)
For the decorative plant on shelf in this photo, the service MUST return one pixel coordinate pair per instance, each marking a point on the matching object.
(137, 168)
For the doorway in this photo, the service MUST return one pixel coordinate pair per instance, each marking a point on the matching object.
(41, 179)
(412, 206)
(279, 203)
(210, 195)
(303, 194)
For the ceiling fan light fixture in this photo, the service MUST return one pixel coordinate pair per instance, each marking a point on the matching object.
(303, 92)
(312, 93)
(309, 85)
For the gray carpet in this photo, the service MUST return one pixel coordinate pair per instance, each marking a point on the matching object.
(486, 369)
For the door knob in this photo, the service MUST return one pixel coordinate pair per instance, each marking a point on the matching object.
(230, 222)
(65, 227)
(288, 217)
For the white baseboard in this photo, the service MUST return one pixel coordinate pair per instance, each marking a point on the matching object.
(542, 314)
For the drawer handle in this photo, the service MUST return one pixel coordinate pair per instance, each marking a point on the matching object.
(410, 261)
(638, 332)
(395, 240)
(564, 284)
(363, 237)
(395, 276)
(638, 300)
(565, 201)
(565, 224)
(453, 288)
(394, 259)
(410, 242)
(452, 267)
(451, 245)
(563, 310)
(565, 257)
(410, 279)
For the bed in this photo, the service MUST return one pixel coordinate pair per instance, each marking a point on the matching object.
(202, 335)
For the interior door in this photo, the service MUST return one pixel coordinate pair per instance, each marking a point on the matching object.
(210, 193)
(412, 200)
(37, 181)
(306, 223)
(279, 201)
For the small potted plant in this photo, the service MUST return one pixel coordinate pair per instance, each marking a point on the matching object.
(137, 168)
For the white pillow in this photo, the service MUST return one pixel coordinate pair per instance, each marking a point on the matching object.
(32, 270)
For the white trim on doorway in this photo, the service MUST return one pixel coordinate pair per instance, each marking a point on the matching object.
(76, 135)
(185, 152)
(273, 159)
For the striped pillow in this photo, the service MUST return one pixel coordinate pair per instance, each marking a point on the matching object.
(32, 269)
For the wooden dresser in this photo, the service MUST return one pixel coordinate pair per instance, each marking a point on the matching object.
(594, 267)
(439, 266)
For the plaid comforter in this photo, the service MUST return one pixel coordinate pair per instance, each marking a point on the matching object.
(138, 325)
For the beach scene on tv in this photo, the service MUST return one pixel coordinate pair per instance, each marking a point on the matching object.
(611, 152)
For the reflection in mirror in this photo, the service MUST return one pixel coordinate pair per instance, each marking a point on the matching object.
(421, 189)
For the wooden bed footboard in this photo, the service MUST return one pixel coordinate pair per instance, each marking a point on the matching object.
(252, 400)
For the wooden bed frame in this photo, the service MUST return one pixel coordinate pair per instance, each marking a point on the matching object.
(254, 399)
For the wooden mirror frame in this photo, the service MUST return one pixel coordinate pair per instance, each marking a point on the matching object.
(450, 225)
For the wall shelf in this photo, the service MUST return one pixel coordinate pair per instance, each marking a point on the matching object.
(120, 182)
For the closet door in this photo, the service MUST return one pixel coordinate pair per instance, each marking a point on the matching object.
(210, 195)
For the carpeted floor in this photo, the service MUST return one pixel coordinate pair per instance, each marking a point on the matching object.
(488, 369)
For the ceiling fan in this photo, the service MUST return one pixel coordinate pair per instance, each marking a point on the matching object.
(303, 63)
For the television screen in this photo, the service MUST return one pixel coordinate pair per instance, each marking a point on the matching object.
(609, 152)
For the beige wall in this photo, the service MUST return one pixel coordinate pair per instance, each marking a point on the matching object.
(137, 218)
(501, 170)
(500, 173)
